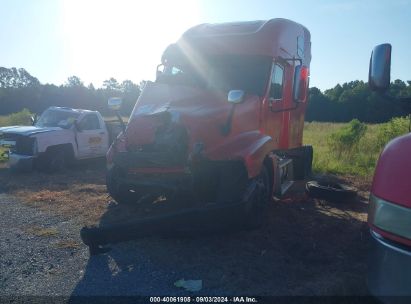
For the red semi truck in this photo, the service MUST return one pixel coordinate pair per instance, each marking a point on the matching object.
(389, 218)
(223, 122)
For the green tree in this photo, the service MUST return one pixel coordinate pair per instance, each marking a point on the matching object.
(111, 85)
(74, 81)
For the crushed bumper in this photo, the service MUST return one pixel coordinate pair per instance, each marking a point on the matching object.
(21, 162)
(389, 269)
(207, 218)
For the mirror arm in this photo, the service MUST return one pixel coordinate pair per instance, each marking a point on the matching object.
(123, 126)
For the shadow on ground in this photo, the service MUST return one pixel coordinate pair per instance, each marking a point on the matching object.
(306, 247)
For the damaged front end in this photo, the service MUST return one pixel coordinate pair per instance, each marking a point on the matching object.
(172, 190)
(167, 167)
(21, 151)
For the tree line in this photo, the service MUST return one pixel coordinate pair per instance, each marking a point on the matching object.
(352, 100)
(19, 90)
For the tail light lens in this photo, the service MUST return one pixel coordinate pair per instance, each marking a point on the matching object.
(390, 217)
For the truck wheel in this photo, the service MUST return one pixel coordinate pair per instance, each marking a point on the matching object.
(53, 161)
(256, 209)
(117, 191)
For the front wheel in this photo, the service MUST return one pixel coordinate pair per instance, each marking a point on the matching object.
(118, 191)
(256, 208)
(53, 161)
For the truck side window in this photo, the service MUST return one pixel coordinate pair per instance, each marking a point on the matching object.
(90, 122)
(276, 89)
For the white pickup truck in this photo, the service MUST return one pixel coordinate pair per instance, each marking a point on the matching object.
(59, 136)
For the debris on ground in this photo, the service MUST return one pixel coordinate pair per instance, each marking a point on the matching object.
(189, 285)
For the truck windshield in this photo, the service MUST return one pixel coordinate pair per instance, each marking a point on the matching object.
(57, 118)
(221, 73)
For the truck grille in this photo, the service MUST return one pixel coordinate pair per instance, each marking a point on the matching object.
(18, 144)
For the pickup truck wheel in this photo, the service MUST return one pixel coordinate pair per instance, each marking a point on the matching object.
(54, 161)
(256, 208)
(119, 192)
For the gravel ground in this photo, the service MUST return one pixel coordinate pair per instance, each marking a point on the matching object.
(35, 264)
(307, 247)
(40, 265)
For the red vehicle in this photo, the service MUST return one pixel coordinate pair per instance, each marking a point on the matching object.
(223, 122)
(390, 202)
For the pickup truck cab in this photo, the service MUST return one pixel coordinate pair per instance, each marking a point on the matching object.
(59, 136)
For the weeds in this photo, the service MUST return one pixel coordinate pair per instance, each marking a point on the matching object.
(394, 128)
(345, 140)
(352, 148)
(20, 118)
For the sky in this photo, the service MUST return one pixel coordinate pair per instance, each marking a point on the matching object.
(124, 39)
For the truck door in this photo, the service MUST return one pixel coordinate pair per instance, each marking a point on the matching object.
(273, 122)
(92, 137)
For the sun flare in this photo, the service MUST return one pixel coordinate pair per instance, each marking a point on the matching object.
(122, 39)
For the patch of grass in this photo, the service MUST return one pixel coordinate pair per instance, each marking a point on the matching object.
(78, 193)
(358, 158)
(67, 244)
(3, 155)
(42, 231)
(19, 118)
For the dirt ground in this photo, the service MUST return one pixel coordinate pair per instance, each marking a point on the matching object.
(306, 247)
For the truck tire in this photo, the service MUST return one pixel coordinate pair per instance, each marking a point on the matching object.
(53, 161)
(119, 192)
(330, 191)
(256, 209)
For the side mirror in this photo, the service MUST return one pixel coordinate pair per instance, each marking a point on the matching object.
(380, 68)
(235, 96)
(114, 103)
(300, 88)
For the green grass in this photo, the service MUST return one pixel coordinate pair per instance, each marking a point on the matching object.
(361, 160)
(19, 118)
(3, 157)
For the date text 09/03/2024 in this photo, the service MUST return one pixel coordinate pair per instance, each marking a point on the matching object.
(203, 299)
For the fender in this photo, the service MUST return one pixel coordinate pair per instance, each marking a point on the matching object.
(250, 147)
(50, 139)
(391, 178)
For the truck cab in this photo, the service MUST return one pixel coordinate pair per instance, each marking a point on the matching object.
(59, 136)
(223, 122)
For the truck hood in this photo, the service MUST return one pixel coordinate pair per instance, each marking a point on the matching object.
(392, 178)
(27, 130)
(201, 112)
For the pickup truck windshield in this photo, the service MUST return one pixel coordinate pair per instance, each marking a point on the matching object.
(220, 72)
(57, 118)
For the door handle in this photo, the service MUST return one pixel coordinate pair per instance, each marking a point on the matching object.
(102, 133)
